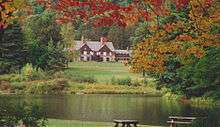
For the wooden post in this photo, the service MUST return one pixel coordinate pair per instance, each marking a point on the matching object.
(116, 125)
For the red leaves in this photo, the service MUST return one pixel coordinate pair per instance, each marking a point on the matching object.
(60, 21)
(181, 3)
(108, 21)
(208, 3)
(109, 12)
(157, 3)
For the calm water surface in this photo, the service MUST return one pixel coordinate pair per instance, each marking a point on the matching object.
(148, 110)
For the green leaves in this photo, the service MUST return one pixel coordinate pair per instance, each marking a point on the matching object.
(13, 48)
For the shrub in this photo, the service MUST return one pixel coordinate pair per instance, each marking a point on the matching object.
(57, 85)
(113, 81)
(136, 83)
(29, 115)
(53, 87)
(125, 81)
(4, 85)
(11, 77)
(84, 79)
(29, 72)
(17, 86)
(145, 81)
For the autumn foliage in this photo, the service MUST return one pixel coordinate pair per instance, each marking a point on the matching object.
(6, 10)
(181, 38)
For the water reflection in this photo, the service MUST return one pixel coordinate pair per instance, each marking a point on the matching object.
(148, 110)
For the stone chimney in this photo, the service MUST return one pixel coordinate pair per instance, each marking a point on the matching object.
(103, 40)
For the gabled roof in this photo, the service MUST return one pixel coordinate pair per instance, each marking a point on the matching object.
(94, 45)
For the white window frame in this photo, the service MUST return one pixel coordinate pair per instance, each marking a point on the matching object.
(85, 52)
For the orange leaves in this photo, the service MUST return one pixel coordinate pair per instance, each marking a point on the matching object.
(184, 38)
(6, 10)
(195, 50)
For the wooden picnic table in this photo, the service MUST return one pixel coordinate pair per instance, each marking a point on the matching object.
(127, 123)
(177, 120)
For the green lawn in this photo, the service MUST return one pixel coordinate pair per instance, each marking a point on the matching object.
(103, 72)
(83, 77)
(73, 123)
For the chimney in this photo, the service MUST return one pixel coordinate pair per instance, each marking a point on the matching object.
(82, 39)
(103, 40)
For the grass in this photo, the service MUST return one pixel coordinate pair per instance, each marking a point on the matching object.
(74, 123)
(103, 72)
(80, 77)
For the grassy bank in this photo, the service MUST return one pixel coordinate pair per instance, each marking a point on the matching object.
(73, 123)
(80, 77)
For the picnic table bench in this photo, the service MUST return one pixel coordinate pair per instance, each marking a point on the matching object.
(177, 120)
(127, 123)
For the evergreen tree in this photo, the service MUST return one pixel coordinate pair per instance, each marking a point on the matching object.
(12, 51)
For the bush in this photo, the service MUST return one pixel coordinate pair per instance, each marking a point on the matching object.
(145, 81)
(88, 79)
(125, 81)
(113, 81)
(29, 115)
(136, 83)
(11, 77)
(4, 85)
(29, 73)
(53, 87)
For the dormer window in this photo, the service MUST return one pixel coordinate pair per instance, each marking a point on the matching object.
(84, 52)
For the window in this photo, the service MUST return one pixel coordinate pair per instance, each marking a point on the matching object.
(104, 53)
(84, 52)
(91, 52)
(110, 53)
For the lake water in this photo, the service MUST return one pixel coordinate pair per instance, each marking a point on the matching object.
(105, 108)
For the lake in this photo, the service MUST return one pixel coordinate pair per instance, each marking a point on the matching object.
(105, 108)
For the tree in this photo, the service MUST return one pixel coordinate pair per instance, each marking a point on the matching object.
(181, 37)
(41, 28)
(120, 36)
(116, 36)
(141, 33)
(68, 34)
(46, 49)
(202, 78)
(13, 48)
(178, 42)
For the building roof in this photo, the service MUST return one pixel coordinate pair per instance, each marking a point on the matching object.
(94, 45)
(123, 51)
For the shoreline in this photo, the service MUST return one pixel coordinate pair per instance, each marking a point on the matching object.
(78, 123)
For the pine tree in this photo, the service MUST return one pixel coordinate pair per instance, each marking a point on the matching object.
(12, 51)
